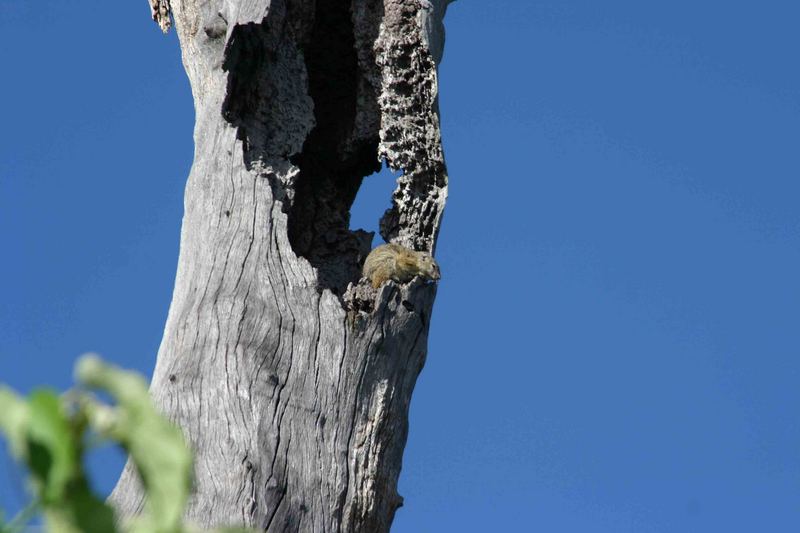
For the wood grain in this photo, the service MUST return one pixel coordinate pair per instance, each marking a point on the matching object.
(295, 400)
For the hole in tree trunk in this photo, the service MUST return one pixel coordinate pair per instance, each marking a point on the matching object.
(333, 161)
(303, 90)
(373, 199)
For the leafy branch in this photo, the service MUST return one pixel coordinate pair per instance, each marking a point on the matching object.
(50, 435)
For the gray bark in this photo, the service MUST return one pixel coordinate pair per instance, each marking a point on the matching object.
(293, 390)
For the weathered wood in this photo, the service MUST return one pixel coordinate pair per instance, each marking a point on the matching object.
(294, 397)
(161, 11)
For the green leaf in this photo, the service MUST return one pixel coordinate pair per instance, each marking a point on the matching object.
(50, 442)
(53, 448)
(14, 420)
(80, 512)
(39, 434)
(48, 434)
(156, 446)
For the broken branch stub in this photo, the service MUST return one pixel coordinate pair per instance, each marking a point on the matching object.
(160, 11)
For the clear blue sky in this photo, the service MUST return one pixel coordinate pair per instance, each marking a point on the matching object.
(615, 346)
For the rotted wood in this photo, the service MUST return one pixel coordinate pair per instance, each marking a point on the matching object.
(160, 11)
(291, 378)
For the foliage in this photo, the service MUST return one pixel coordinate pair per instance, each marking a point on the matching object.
(49, 434)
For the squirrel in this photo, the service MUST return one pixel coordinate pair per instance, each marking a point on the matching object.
(398, 263)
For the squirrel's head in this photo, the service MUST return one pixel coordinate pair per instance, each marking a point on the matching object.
(428, 266)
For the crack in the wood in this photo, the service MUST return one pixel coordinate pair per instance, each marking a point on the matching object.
(279, 418)
(230, 177)
(353, 425)
(277, 306)
(248, 513)
(284, 489)
(316, 345)
(252, 235)
(245, 349)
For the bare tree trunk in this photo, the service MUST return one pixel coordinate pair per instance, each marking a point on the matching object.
(293, 390)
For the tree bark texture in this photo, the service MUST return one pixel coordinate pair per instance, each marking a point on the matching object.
(290, 378)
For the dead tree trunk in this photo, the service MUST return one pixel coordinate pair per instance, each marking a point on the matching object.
(293, 390)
